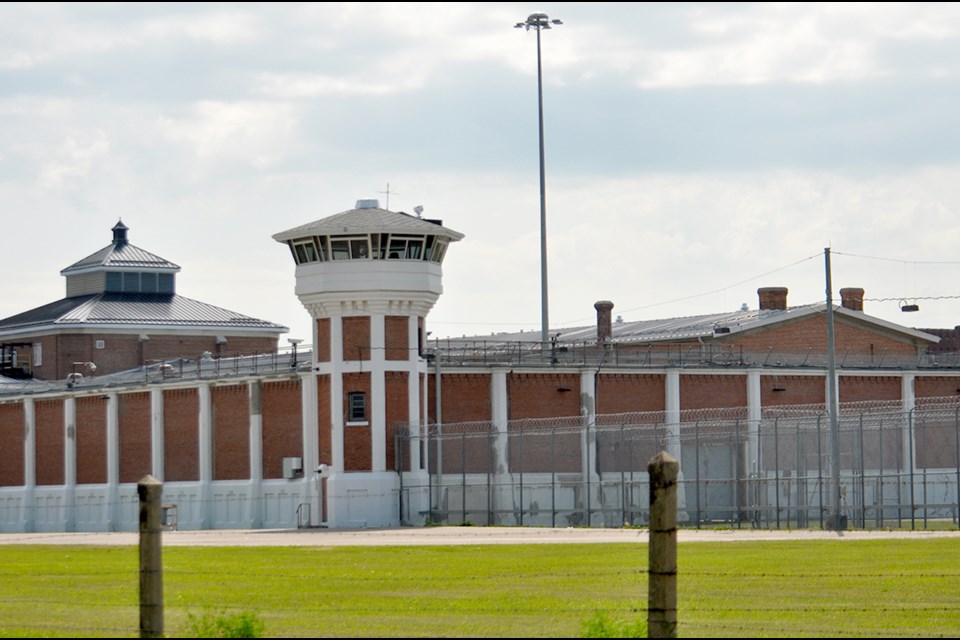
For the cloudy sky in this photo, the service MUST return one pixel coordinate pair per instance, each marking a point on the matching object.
(694, 152)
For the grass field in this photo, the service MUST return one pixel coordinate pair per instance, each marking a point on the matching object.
(876, 588)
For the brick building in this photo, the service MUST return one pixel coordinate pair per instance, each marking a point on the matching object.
(121, 311)
(376, 426)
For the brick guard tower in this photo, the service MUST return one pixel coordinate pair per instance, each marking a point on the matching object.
(368, 277)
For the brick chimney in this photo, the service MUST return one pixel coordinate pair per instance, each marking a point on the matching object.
(772, 298)
(852, 298)
(604, 323)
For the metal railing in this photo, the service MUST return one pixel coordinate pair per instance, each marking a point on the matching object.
(465, 353)
(203, 367)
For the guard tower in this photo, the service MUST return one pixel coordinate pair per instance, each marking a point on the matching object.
(368, 277)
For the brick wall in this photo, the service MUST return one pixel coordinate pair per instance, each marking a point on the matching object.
(49, 436)
(543, 395)
(125, 351)
(231, 432)
(356, 338)
(322, 347)
(91, 413)
(622, 393)
(868, 387)
(398, 412)
(357, 439)
(324, 420)
(396, 338)
(809, 333)
(135, 446)
(11, 444)
(777, 390)
(707, 392)
(181, 455)
(536, 395)
(466, 397)
(930, 387)
(282, 425)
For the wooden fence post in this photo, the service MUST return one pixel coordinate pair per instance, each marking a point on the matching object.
(150, 491)
(662, 572)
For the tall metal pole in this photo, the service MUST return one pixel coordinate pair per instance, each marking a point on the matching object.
(544, 306)
(832, 397)
(537, 22)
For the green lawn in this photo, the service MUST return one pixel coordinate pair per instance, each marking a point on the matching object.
(729, 589)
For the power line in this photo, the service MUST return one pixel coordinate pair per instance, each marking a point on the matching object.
(854, 255)
(722, 289)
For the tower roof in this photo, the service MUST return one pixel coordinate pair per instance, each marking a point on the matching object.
(369, 220)
(120, 254)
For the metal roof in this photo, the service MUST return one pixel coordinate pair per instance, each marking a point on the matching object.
(694, 327)
(122, 256)
(144, 310)
(368, 220)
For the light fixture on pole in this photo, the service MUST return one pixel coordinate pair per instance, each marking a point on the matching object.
(538, 22)
(293, 355)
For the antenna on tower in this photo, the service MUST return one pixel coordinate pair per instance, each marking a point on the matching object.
(387, 206)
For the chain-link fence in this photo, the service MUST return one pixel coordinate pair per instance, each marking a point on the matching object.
(896, 468)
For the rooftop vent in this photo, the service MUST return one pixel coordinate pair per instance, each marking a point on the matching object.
(120, 233)
(368, 204)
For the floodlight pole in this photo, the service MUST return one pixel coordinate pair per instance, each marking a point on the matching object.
(538, 21)
(833, 405)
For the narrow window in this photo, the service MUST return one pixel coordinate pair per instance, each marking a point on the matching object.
(148, 282)
(131, 282)
(37, 354)
(414, 249)
(306, 251)
(340, 249)
(114, 282)
(164, 283)
(356, 406)
(359, 249)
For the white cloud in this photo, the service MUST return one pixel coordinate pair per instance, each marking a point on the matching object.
(255, 133)
(74, 159)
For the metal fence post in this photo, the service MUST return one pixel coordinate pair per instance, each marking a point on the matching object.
(150, 491)
(553, 476)
(956, 429)
(820, 468)
(776, 468)
(913, 505)
(863, 480)
(662, 572)
(696, 459)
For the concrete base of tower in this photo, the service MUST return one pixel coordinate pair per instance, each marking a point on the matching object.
(362, 499)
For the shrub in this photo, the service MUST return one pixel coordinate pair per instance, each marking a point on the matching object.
(226, 625)
(601, 626)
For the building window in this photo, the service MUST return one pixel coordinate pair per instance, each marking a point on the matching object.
(165, 283)
(306, 251)
(148, 283)
(356, 407)
(356, 248)
(37, 354)
(138, 282)
(99, 344)
(405, 248)
(114, 282)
